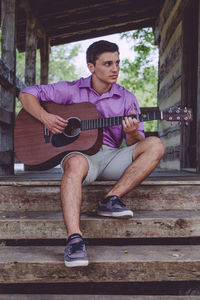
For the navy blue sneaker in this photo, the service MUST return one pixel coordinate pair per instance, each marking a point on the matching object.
(113, 207)
(75, 251)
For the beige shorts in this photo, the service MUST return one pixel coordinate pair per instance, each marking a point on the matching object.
(107, 164)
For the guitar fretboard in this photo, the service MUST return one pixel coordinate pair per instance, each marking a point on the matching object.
(113, 121)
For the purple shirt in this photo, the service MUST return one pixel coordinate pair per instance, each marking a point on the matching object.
(116, 102)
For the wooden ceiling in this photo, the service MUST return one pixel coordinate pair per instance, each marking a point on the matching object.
(68, 21)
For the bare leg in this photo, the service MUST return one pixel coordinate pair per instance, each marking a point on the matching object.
(146, 156)
(75, 169)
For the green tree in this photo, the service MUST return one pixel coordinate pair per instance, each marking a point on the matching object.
(61, 64)
(140, 75)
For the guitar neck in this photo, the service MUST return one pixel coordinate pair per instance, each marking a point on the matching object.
(113, 121)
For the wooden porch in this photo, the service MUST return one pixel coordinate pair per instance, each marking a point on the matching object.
(55, 175)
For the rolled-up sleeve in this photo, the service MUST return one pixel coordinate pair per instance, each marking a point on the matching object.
(56, 92)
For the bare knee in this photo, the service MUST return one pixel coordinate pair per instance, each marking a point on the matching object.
(156, 147)
(152, 146)
(75, 164)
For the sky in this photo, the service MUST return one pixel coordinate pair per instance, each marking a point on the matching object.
(124, 48)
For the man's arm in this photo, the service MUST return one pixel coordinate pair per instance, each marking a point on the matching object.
(54, 123)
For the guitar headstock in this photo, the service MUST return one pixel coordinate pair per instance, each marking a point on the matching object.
(178, 114)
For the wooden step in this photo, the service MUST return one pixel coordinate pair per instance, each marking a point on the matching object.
(150, 195)
(144, 224)
(92, 297)
(36, 264)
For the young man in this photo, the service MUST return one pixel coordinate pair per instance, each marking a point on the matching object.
(129, 165)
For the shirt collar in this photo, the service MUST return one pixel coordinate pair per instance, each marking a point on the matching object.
(115, 89)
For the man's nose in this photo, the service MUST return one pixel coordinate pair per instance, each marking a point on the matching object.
(115, 68)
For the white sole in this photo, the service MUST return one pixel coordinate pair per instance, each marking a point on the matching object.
(79, 263)
(122, 215)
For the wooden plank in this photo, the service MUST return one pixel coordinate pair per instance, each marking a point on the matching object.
(171, 59)
(7, 95)
(161, 20)
(152, 195)
(6, 75)
(5, 157)
(92, 297)
(107, 264)
(31, 47)
(149, 224)
(189, 84)
(198, 100)
(6, 116)
(44, 59)
(175, 19)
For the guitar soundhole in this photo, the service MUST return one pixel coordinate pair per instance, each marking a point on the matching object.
(73, 128)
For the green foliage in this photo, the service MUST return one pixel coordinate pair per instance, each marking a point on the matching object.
(140, 75)
(61, 64)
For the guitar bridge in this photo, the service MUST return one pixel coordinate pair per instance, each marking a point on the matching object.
(46, 135)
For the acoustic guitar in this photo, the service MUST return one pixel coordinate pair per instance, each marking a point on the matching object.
(37, 148)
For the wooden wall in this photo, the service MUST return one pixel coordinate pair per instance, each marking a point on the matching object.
(169, 36)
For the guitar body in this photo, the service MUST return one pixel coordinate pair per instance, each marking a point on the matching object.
(31, 147)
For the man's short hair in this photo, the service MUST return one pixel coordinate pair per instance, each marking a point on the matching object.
(97, 48)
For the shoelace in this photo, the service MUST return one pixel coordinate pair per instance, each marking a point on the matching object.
(117, 201)
(77, 246)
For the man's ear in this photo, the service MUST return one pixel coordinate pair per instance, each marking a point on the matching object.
(91, 67)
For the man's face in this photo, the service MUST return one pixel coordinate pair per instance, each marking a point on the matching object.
(106, 68)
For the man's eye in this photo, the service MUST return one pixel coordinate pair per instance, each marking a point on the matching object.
(107, 63)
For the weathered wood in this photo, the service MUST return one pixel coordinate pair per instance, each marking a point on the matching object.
(44, 60)
(171, 59)
(7, 96)
(91, 297)
(161, 20)
(175, 19)
(6, 116)
(72, 21)
(189, 83)
(31, 47)
(198, 100)
(6, 75)
(107, 264)
(5, 157)
(167, 90)
(152, 195)
(149, 224)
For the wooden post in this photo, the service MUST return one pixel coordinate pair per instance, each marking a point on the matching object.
(44, 56)
(31, 47)
(198, 99)
(7, 94)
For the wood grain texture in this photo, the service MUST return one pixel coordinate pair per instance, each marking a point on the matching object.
(144, 224)
(107, 264)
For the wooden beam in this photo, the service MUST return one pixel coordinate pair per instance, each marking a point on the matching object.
(7, 95)
(31, 47)
(6, 117)
(44, 60)
(189, 83)
(198, 99)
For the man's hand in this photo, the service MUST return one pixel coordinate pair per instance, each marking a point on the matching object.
(130, 125)
(54, 123)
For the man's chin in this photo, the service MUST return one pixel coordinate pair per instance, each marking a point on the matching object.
(113, 80)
